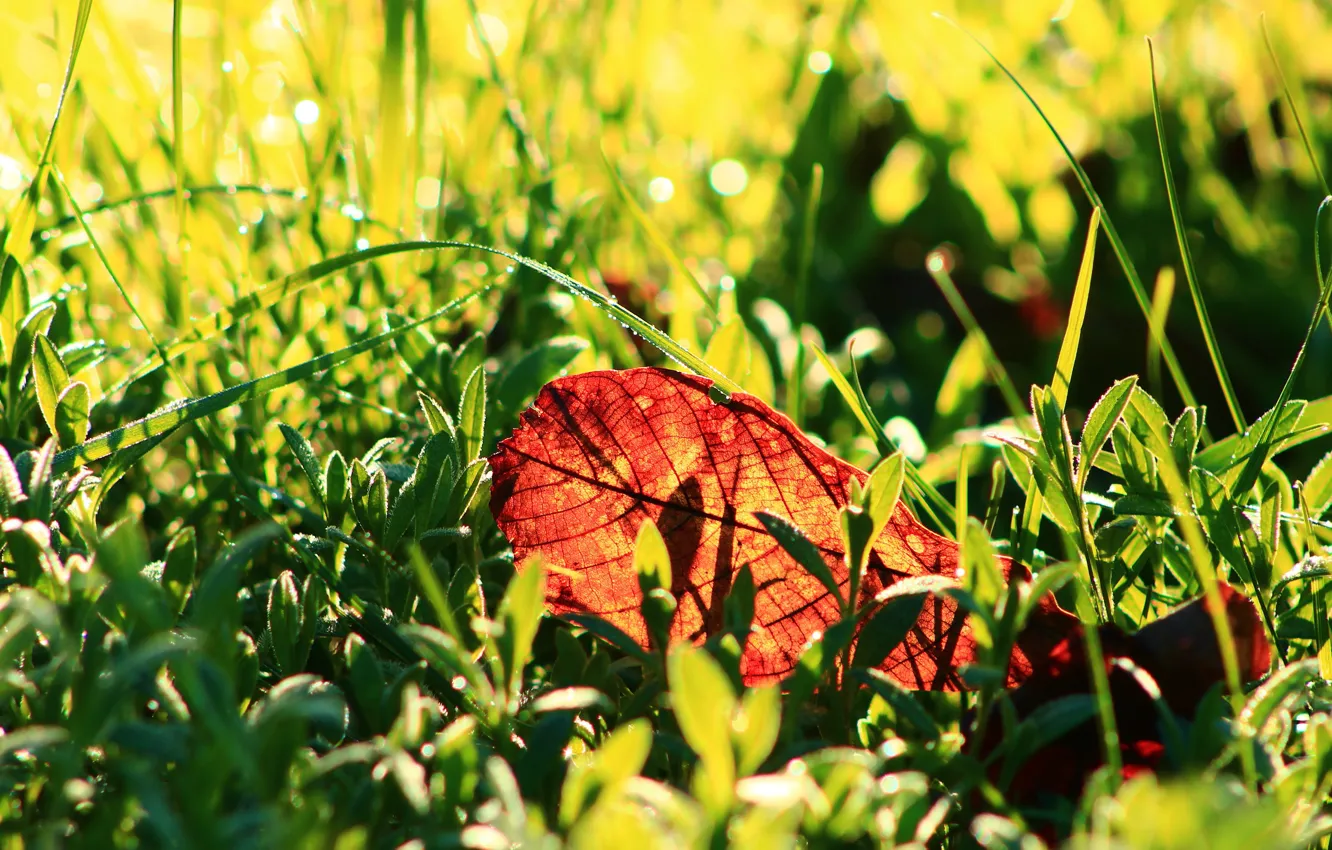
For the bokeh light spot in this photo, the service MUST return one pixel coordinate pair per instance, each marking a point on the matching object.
(306, 112)
(820, 62)
(728, 177)
(427, 193)
(11, 175)
(661, 189)
(495, 32)
(929, 325)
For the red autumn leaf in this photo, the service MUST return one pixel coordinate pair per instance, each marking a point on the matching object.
(598, 453)
(1180, 651)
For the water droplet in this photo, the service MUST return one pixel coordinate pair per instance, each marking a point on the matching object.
(231, 190)
(960, 573)
(509, 268)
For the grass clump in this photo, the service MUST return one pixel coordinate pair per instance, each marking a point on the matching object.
(276, 281)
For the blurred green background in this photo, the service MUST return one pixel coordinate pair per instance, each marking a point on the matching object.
(373, 121)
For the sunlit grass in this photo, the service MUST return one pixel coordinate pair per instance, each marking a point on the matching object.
(282, 268)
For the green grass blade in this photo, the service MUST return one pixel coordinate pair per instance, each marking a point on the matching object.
(795, 384)
(23, 220)
(203, 329)
(106, 263)
(656, 237)
(934, 264)
(178, 115)
(1305, 139)
(627, 318)
(420, 85)
(1077, 315)
(1163, 292)
(1309, 148)
(1186, 256)
(1254, 463)
(190, 410)
(196, 408)
(529, 152)
(923, 491)
(391, 141)
(1117, 244)
(1034, 508)
(230, 189)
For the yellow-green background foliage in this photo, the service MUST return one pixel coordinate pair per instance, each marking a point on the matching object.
(391, 112)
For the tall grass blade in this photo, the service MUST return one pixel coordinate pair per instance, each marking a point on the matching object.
(178, 115)
(921, 490)
(1186, 256)
(1163, 292)
(390, 150)
(205, 328)
(190, 410)
(1063, 376)
(1077, 315)
(1117, 244)
(23, 220)
(795, 384)
(1254, 463)
(1309, 148)
(1305, 139)
(529, 152)
(656, 237)
(935, 265)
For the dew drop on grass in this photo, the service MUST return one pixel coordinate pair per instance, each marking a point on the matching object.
(231, 190)
(362, 244)
(509, 269)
